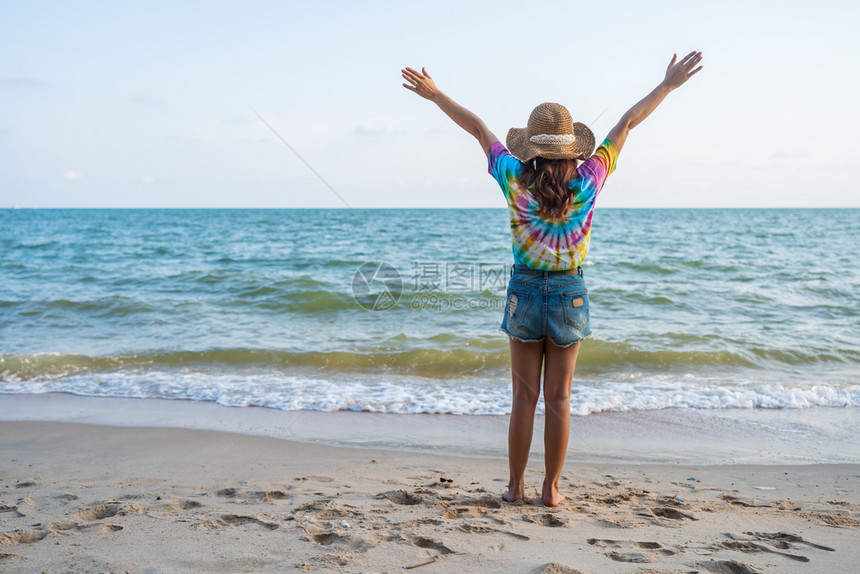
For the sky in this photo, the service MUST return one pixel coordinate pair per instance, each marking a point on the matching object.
(154, 104)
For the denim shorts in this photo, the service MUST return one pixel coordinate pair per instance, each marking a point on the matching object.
(546, 304)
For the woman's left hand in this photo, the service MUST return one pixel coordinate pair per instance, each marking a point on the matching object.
(421, 83)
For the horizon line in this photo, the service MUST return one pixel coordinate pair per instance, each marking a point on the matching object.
(21, 207)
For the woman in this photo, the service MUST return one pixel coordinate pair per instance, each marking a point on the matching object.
(550, 203)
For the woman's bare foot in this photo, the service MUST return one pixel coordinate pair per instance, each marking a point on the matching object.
(550, 495)
(516, 492)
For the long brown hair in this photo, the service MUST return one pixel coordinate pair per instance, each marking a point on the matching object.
(550, 179)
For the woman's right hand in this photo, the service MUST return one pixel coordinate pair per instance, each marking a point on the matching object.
(677, 74)
(421, 83)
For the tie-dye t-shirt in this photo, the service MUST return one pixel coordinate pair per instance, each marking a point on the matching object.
(551, 244)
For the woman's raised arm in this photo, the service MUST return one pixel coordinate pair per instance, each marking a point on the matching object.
(422, 84)
(676, 75)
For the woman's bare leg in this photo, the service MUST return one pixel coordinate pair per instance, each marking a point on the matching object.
(557, 378)
(526, 361)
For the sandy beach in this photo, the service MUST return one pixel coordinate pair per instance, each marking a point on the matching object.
(96, 498)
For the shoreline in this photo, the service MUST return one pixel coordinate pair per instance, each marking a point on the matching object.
(667, 436)
(88, 497)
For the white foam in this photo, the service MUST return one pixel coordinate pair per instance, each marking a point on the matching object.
(475, 396)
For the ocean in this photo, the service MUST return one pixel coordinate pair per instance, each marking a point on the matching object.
(398, 310)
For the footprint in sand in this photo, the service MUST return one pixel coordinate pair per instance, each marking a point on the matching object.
(419, 521)
(479, 529)
(234, 520)
(241, 495)
(22, 537)
(98, 512)
(664, 516)
(422, 542)
(545, 519)
(325, 537)
(25, 506)
(332, 511)
(326, 509)
(615, 523)
(728, 567)
(784, 540)
(328, 538)
(671, 513)
(63, 525)
(482, 502)
(839, 520)
(472, 508)
(400, 497)
(98, 527)
(752, 547)
(749, 502)
(468, 512)
(616, 499)
(754, 542)
(556, 568)
(620, 550)
(331, 561)
(107, 510)
(137, 496)
(276, 495)
(13, 509)
(83, 520)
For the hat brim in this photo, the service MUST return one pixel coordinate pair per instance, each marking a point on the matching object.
(524, 150)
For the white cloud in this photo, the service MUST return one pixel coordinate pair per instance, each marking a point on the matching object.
(147, 180)
(73, 175)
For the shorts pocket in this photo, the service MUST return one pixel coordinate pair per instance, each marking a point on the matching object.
(575, 307)
(517, 307)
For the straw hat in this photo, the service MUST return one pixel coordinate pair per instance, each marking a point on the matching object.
(551, 134)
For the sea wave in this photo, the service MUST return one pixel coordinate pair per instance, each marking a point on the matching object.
(441, 356)
(410, 395)
(300, 296)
